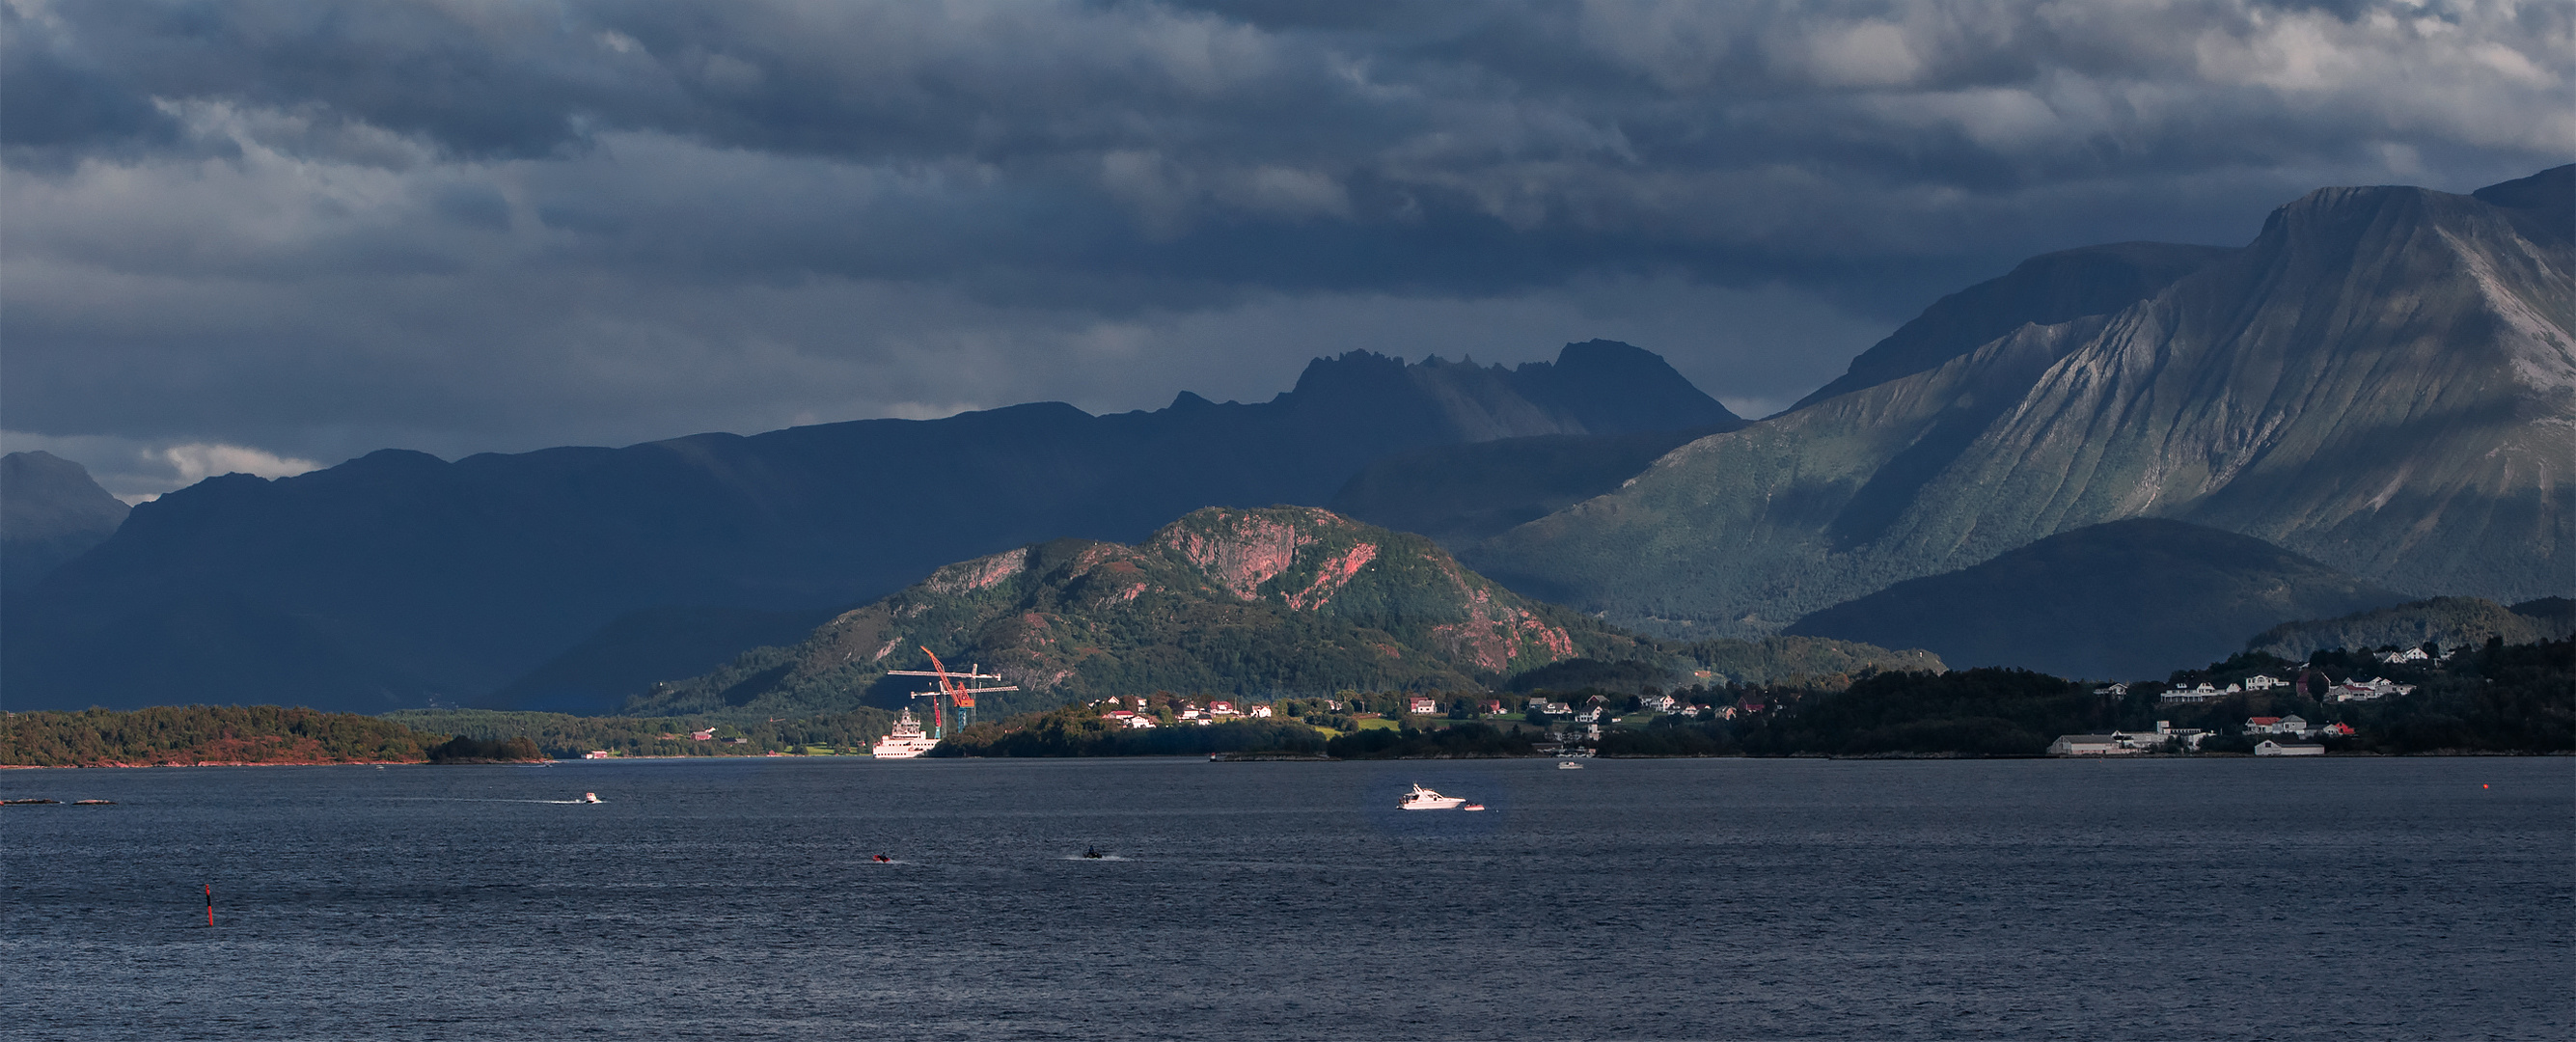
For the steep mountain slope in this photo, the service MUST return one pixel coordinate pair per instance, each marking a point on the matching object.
(2383, 381)
(2044, 291)
(1286, 600)
(1458, 494)
(397, 578)
(1461, 494)
(50, 512)
(2127, 600)
(2451, 621)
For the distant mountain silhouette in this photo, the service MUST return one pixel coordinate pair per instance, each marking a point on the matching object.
(397, 579)
(2127, 600)
(50, 512)
(2381, 381)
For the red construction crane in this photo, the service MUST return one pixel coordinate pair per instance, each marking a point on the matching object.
(952, 689)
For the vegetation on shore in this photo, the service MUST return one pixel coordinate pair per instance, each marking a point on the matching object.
(564, 736)
(189, 735)
(1079, 730)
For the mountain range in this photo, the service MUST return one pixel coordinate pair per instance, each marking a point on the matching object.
(2375, 399)
(2382, 381)
(567, 577)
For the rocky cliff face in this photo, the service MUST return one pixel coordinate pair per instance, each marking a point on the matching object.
(2383, 381)
(1286, 600)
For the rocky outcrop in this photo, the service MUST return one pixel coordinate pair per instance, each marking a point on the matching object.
(1283, 600)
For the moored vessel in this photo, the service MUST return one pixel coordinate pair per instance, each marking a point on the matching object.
(906, 741)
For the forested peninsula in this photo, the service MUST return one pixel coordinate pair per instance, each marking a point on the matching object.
(212, 736)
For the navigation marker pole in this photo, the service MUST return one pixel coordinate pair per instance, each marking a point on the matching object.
(210, 904)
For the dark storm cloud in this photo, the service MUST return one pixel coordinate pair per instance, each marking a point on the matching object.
(320, 228)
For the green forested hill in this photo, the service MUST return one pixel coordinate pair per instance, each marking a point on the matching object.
(2134, 598)
(1285, 600)
(2448, 621)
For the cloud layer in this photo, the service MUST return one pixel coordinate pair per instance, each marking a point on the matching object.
(321, 229)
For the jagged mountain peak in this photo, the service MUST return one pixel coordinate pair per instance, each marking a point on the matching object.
(1592, 387)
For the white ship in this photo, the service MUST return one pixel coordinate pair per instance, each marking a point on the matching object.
(906, 742)
(1424, 799)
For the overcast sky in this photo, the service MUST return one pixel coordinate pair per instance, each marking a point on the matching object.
(263, 236)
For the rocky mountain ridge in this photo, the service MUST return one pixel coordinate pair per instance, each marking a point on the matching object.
(2382, 381)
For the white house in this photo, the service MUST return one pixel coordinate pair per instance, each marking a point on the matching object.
(2368, 690)
(1257, 711)
(1420, 706)
(2271, 747)
(2259, 682)
(2203, 693)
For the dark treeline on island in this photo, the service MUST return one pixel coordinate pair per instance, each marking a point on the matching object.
(461, 749)
(187, 735)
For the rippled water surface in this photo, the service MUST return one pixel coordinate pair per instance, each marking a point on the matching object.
(2426, 898)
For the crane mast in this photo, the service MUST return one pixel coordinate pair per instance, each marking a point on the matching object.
(951, 688)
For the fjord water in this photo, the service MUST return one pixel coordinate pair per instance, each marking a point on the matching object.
(1725, 898)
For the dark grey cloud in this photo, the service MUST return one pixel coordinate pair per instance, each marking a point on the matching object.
(315, 229)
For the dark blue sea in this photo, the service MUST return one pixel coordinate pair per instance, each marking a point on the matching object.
(2342, 899)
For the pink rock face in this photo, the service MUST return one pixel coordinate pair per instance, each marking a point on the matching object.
(1494, 635)
(1336, 573)
(979, 574)
(1245, 552)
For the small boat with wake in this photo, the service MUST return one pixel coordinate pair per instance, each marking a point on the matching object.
(1093, 853)
(588, 797)
(1568, 765)
(1424, 799)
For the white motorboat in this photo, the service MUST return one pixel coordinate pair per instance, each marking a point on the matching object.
(1568, 765)
(588, 797)
(906, 742)
(1424, 799)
